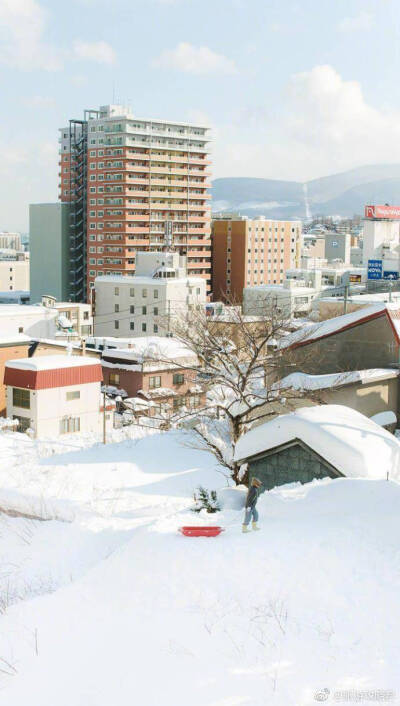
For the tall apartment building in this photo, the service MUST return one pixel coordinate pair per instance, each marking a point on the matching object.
(133, 184)
(252, 252)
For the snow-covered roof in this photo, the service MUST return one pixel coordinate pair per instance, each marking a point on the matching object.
(26, 310)
(157, 392)
(51, 362)
(303, 381)
(132, 280)
(355, 445)
(341, 323)
(14, 338)
(151, 347)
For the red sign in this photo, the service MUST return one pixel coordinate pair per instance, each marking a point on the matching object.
(390, 212)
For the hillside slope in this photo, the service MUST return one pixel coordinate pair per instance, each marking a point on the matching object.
(339, 194)
(308, 603)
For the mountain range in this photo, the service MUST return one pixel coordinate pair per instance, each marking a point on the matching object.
(343, 194)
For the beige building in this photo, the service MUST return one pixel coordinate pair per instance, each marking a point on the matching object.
(14, 275)
(252, 252)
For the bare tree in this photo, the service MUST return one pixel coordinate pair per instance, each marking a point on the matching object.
(239, 366)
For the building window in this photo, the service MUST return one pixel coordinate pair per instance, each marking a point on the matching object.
(144, 310)
(132, 325)
(116, 308)
(156, 294)
(116, 324)
(156, 311)
(154, 382)
(114, 379)
(178, 379)
(131, 309)
(155, 328)
(144, 292)
(144, 327)
(21, 398)
(20, 329)
(73, 395)
(69, 425)
(116, 291)
(132, 292)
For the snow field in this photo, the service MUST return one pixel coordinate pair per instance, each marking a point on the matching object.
(120, 609)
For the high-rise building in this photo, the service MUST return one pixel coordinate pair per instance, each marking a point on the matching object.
(252, 252)
(49, 242)
(133, 184)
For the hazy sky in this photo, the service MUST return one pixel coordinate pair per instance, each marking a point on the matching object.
(292, 90)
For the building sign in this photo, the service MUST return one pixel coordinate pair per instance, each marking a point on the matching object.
(389, 274)
(334, 243)
(374, 269)
(390, 212)
(355, 278)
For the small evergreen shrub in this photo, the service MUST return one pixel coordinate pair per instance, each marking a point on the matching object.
(206, 500)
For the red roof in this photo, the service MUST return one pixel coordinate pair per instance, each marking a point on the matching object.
(57, 377)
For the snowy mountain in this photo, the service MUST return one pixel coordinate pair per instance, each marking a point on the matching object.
(115, 607)
(339, 194)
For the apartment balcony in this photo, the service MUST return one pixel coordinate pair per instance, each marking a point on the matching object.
(139, 168)
(169, 194)
(139, 230)
(169, 182)
(199, 231)
(140, 218)
(168, 207)
(198, 219)
(198, 265)
(199, 172)
(142, 194)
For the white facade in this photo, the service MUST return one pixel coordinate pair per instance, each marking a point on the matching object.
(56, 410)
(147, 303)
(10, 241)
(292, 298)
(14, 275)
(34, 321)
(72, 315)
(382, 242)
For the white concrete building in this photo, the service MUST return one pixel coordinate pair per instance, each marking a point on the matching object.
(335, 275)
(34, 321)
(293, 298)
(382, 238)
(54, 395)
(72, 316)
(148, 302)
(14, 275)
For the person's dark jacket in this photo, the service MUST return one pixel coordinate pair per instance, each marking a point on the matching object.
(252, 496)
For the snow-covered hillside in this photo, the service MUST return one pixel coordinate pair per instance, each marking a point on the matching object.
(116, 608)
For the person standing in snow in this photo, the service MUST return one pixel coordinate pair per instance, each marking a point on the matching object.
(250, 507)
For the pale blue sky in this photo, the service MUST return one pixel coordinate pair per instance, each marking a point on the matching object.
(293, 90)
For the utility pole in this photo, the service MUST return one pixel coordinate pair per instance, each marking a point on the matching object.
(104, 417)
(346, 293)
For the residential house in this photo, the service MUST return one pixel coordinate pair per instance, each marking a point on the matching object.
(55, 395)
(11, 347)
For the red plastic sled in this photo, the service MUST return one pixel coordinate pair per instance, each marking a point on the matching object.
(197, 531)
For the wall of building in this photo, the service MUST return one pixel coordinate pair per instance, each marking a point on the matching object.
(251, 252)
(49, 250)
(9, 352)
(34, 321)
(14, 275)
(337, 246)
(165, 301)
(48, 407)
(368, 345)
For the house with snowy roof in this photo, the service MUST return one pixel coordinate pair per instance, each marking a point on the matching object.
(160, 371)
(55, 394)
(363, 339)
(318, 442)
